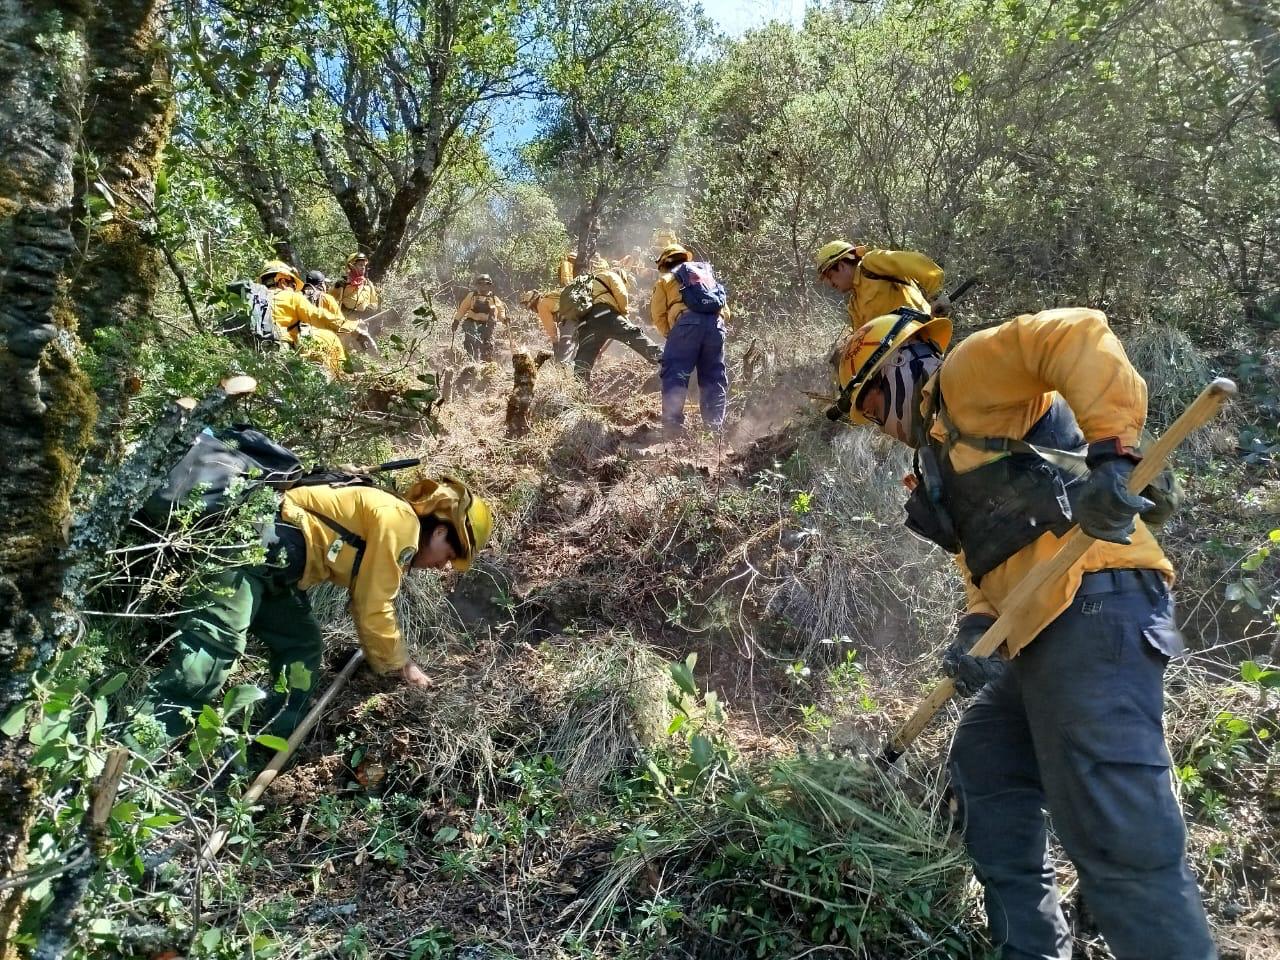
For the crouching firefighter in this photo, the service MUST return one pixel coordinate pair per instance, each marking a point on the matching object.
(360, 537)
(1069, 719)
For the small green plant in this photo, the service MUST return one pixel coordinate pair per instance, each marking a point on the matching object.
(433, 943)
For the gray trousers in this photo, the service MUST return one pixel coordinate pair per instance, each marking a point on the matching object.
(597, 328)
(1075, 727)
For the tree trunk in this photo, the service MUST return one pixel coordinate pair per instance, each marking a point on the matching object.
(128, 113)
(49, 292)
(44, 427)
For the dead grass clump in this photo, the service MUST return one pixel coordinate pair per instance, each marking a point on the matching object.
(615, 706)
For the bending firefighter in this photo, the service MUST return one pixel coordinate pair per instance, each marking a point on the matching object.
(881, 281)
(593, 311)
(312, 329)
(689, 309)
(362, 538)
(478, 314)
(1070, 719)
(546, 306)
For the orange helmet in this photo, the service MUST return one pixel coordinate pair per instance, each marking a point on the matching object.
(859, 354)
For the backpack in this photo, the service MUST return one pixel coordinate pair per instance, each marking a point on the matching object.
(699, 289)
(576, 299)
(254, 317)
(214, 462)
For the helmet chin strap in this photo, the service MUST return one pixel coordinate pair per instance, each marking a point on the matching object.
(904, 376)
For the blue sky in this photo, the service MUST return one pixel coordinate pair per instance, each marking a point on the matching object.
(735, 17)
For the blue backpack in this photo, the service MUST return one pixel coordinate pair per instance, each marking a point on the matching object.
(699, 289)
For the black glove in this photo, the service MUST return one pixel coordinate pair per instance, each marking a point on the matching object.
(971, 674)
(1106, 509)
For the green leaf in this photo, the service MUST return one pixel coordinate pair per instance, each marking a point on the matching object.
(702, 750)
(15, 721)
(114, 684)
(1250, 671)
(447, 835)
(211, 938)
(683, 677)
(299, 677)
(241, 696)
(271, 742)
(124, 811)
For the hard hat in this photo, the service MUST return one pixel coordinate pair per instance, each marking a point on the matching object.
(529, 298)
(356, 256)
(672, 251)
(274, 268)
(483, 280)
(448, 499)
(315, 277)
(832, 253)
(859, 354)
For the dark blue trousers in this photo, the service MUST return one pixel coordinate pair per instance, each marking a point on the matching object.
(1075, 727)
(696, 342)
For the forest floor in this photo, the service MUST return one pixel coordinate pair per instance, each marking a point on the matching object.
(516, 809)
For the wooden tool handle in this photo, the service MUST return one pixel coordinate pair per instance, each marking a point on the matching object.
(222, 834)
(1017, 607)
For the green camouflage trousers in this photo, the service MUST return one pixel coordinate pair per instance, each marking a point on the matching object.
(212, 638)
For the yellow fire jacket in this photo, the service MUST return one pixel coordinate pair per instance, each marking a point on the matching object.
(872, 297)
(467, 309)
(362, 299)
(290, 309)
(564, 272)
(998, 383)
(389, 528)
(666, 305)
(545, 307)
(609, 289)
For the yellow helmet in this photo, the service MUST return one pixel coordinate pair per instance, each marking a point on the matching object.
(448, 499)
(859, 354)
(356, 256)
(830, 254)
(273, 268)
(673, 251)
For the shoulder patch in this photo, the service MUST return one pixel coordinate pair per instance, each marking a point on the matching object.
(406, 555)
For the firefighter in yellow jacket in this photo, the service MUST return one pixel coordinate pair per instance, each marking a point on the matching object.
(546, 307)
(361, 538)
(605, 320)
(568, 268)
(312, 329)
(358, 296)
(354, 335)
(881, 281)
(1068, 718)
(479, 314)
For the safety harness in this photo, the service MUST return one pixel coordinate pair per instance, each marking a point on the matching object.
(994, 511)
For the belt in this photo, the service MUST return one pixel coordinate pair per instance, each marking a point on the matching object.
(1120, 581)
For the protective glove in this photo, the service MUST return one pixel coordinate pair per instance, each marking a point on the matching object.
(1106, 509)
(971, 673)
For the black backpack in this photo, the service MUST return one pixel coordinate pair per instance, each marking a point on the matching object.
(214, 462)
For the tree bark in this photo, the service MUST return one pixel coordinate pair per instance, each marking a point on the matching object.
(44, 427)
(51, 289)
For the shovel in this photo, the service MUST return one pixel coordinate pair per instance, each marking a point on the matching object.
(1016, 610)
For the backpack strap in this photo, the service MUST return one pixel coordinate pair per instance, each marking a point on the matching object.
(896, 281)
(1070, 461)
(347, 537)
